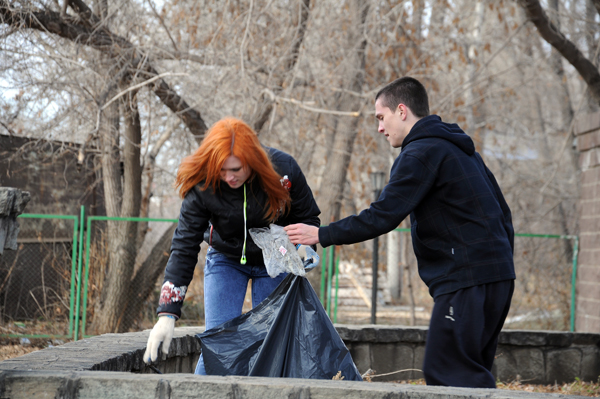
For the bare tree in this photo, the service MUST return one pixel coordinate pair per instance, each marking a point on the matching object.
(264, 107)
(344, 129)
(123, 65)
(126, 68)
(552, 34)
(129, 82)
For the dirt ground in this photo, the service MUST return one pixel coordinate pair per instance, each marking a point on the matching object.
(577, 387)
(9, 350)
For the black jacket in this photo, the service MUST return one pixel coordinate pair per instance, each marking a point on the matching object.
(224, 210)
(461, 226)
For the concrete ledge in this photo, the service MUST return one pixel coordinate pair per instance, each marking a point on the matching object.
(107, 385)
(113, 352)
(540, 357)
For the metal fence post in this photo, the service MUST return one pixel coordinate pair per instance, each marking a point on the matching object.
(79, 258)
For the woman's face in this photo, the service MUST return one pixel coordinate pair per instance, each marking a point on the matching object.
(234, 173)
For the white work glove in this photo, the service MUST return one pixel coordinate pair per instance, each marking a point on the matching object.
(162, 332)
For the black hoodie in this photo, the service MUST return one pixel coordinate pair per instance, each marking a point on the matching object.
(461, 225)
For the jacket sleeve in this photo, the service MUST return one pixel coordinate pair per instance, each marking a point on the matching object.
(304, 208)
(410, 181)
(185, 246)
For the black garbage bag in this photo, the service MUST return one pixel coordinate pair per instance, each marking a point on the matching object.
(287, 335)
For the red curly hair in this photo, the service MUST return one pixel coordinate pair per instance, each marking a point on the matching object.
(232, 136)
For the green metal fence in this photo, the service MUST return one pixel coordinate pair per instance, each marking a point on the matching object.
(44, 285)
(23, 273)
(38, 280)
(545, 266)
(90, 231)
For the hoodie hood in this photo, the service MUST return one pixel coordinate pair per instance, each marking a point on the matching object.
(432, 127)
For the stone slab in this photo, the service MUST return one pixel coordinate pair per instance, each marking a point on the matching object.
(109, 385)
(532, 356)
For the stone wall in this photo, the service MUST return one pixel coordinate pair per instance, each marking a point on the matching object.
(51, 173)
(588, 273)
(539, 357)
(109, 385)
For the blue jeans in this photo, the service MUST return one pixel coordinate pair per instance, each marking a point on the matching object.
(225, 284)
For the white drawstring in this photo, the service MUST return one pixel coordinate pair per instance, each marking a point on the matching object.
(243, 259)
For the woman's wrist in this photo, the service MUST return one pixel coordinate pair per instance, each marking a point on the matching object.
(172, 316)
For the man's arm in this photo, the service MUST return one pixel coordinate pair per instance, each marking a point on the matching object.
(410, 181)
(301, 233)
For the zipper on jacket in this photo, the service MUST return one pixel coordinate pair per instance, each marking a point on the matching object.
(243, 259)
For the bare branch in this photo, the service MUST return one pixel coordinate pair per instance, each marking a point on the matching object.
(137, 86)
(243, 45)
(596, 4)
(304, 13)
(307, 107)
(554, 37)
(10, 131)
(163, 54)
(111, 44)
(162, 22)
(265, 108)
(83, 10)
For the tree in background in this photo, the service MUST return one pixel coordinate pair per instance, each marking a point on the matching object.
(139, 83)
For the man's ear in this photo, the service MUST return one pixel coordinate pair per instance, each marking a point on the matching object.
(406, 112)
(403, 110)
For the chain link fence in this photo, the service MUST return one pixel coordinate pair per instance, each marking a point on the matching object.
(39, 283)
(543, 299)
(95, 284)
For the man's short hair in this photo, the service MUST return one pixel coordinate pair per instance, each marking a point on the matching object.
(408, 91)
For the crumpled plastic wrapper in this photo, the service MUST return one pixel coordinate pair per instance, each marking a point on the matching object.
(279, 253)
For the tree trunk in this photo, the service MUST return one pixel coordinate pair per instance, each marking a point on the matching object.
(394, 270)
(591, 28)
(475, 112)
(150, 163)
(556, 60)
(265, 105)
(120, 200)
(146, 277)
(346, 128)
(111, 178)
(549, 158)
(122, 235)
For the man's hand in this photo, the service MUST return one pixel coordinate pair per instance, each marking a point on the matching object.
(162, 332)
(301, 233)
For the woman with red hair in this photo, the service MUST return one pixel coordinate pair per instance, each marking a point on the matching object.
(229, 185)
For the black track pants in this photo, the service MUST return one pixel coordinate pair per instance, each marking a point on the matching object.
(463, 335)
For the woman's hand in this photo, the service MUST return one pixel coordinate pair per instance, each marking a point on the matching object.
(162, 332)
(301, 233)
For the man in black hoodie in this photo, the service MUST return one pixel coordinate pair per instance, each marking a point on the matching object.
(461, 227)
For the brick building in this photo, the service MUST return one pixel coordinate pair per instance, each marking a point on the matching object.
(588, 273)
